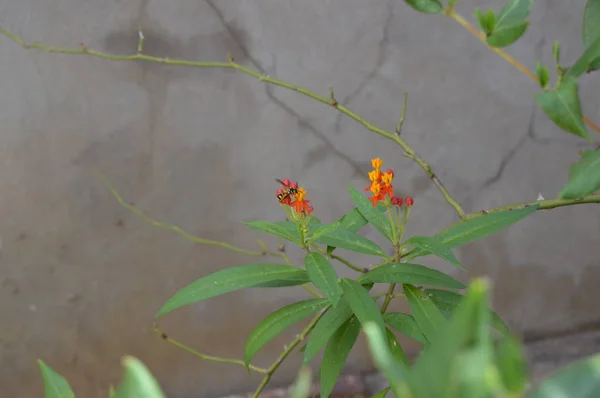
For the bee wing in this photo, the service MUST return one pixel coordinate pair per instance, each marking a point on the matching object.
(281, 182)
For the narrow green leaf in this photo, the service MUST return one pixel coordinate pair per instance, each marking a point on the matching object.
(382, 393)
(515, 12)
(325, 328)
(362, 304)
(319, 229)
(405, 324)
(55, 385)
(111, 392)
(487, 21)
(588, 61)
(414, 274)
(284, 229)
(353, 221)
(584, 176)
(434, 245)
(591, 28)
(323, 275)
(235, 278)
(303, 384)
(394, 371)
(350, 241)
(137, 381)
(426, 6)
(336, 353)
(563, 108)
(395, 347)
(578, 380)
(542, 74)
(448, 301)
(556, 51)
(506, 35)
(277, 322)
(512, 365)
(426, 313)
(378, 219)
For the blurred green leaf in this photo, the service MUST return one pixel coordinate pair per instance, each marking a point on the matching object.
(277, 322)
(562, 107)
(405, 324)
(55, 385)
(514, 12)
(556, 52)
(382, 393)
(284, 229)
(111, 392)
(303, 384)
(344, 239)
(426, 6)
(447, 302)
(426, 313)
(353, 221)
(377, 219)
(336, 353)
(414, 274)
(512, 365)
(394, 371)
(362, 304)
(323, 275)
(326, 326)
(487, 20)
(588, 61)
(578, 380)
(235, 278)
(395, 347)
(506, 35)
(434, 245)
(137, 381)
(542, 74)
(584, 176)
(591, 28)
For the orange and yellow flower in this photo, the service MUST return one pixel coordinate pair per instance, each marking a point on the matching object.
(381, 183)
(301, 204)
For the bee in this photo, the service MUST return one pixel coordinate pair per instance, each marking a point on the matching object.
(287, 189)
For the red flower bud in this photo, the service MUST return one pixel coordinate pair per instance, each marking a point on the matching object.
(409, 201)
(390, 171)
(397, 201)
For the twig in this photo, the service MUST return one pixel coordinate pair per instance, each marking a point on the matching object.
(205, 357)
(340, 259)
(261, 77)
(462, 21)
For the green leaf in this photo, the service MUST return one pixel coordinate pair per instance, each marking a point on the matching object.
(542, 74)
(350, 241)
(283, 229)
(362, 304)
(325, 328)
(405, 324)
(378, 219)
(303, 384)
(591, 28)
(584, 176)
(515, 12)
(434, 245)
(111, 392)
(426, 6)
(235, 278)
(336, 353)
(396, 348)
(55, 385)
(506, 35)
(588, 61)
(426, 313)
(511, 365)
(579, 380)
(414, 274)
(487, 21)
(278, 321)
(394, 371)
(448, 301)
(323, 275)
(353, 221)
(382, 393)
(556, 52)
(137, 381)
(562, 107)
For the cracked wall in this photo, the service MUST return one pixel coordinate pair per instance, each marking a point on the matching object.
(81, 278)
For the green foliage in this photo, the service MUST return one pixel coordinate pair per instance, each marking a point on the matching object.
(426, 6)
(323, 275)
(55, 385)
(591, 29)
(584, 176)
(428, 317)
(301, 388)
(331, 321)
(361, 303)
(434, 245)
(285, 229)
(410, 273)
(137, 381)
(344, 239)
(578, 380)
(374, 216)
(508, 26)
(405, 324)
(542, 74)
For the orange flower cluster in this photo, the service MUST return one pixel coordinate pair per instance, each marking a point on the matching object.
(292, 195)
(381, 183)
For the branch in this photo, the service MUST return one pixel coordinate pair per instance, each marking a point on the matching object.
(205, 357)
(458, 18)
(409, 151)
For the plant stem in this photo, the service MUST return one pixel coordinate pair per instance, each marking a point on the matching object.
(458, 18)
(287, 351)
(409, 151)
(338, 258)
(205, 357)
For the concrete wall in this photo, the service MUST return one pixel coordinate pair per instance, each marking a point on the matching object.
(81, 278)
